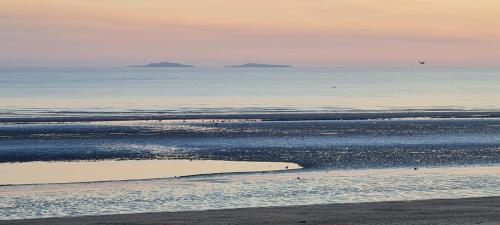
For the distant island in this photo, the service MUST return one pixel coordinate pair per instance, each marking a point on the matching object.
(164, 64)
(259, 65)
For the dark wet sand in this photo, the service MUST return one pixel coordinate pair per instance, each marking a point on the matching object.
(270, 116)
(457, 211)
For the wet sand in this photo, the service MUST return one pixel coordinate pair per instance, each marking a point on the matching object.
(265, 116)
(444, 211)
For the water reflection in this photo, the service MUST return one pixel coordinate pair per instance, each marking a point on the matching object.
(88, 171)
(251, 190)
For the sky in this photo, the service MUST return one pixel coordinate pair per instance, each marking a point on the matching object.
(224, 32)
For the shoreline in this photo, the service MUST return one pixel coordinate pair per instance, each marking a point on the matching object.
(481, 210)
(251, 116)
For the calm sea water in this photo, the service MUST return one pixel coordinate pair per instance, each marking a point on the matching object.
(344, 160)
(163, 89)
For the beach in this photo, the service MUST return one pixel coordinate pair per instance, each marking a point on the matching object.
(137, 142)
(343, 160)
(484, 211)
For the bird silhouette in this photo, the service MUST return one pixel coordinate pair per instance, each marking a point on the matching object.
(422, 62)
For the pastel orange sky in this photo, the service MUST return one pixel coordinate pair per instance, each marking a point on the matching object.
(221, 32)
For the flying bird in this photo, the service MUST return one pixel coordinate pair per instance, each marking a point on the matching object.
(422, 62)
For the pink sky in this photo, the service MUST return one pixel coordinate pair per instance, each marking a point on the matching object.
(218, 32)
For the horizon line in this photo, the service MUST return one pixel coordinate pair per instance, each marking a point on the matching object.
(230, 66)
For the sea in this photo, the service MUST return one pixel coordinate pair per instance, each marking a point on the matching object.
(355, 134)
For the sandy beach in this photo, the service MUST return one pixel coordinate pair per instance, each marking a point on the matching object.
(442, 211)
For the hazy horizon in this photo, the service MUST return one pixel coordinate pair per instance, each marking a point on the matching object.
(219, 33)
(415, 65)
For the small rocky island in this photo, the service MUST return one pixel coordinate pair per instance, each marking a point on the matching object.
(259, 65)
(164, 64)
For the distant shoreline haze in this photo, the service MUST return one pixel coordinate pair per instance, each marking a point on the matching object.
(246, 65)
(259, 65)
(164, 64)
